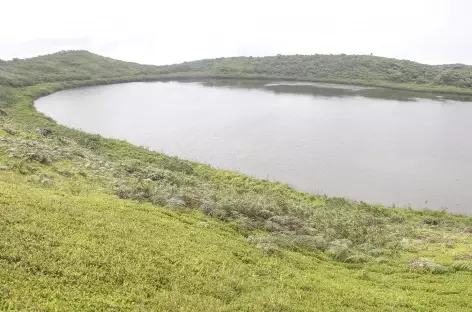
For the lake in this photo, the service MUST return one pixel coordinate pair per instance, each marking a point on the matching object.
(371, 144)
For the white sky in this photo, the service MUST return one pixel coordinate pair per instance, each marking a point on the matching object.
(171, 31)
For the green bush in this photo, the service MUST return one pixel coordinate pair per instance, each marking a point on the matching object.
(462, 266)
(428, 265)
(431, 221)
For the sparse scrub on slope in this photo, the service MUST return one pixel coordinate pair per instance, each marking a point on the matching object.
(297, 222)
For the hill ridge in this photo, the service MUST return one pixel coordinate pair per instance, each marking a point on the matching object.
(346, 69)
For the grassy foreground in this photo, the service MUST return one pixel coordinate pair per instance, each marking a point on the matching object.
(94, 252)
(94, 224)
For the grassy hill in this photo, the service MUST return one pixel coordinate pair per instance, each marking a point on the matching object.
(354, 69)
(67, 66)
(94, 224)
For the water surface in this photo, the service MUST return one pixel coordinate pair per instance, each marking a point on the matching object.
(376, 145)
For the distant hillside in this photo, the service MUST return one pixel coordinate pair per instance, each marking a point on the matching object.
(354, 69)
(369, 70)
(67, 66)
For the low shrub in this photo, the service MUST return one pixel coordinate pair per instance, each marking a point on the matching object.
(427, 265)
(462, 266)
(266, 244)
(357, 258)
(175, 202)
(431, 221)
(397, 219)
(10, 130)
(340, 249)
(302, 242)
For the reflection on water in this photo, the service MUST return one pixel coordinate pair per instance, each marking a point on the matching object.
(377, 145)
(333, 90)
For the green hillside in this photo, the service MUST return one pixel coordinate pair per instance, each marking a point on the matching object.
(67, 66)
(354, 69)
(94, 224)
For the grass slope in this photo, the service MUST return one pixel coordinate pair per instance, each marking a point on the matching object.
(94, 252)
(90, 224)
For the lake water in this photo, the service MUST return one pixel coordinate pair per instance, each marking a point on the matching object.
(376, 145)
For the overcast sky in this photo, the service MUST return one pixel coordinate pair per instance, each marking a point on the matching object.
(171, 31)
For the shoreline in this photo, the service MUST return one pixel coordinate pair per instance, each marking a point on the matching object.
(81, 84)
